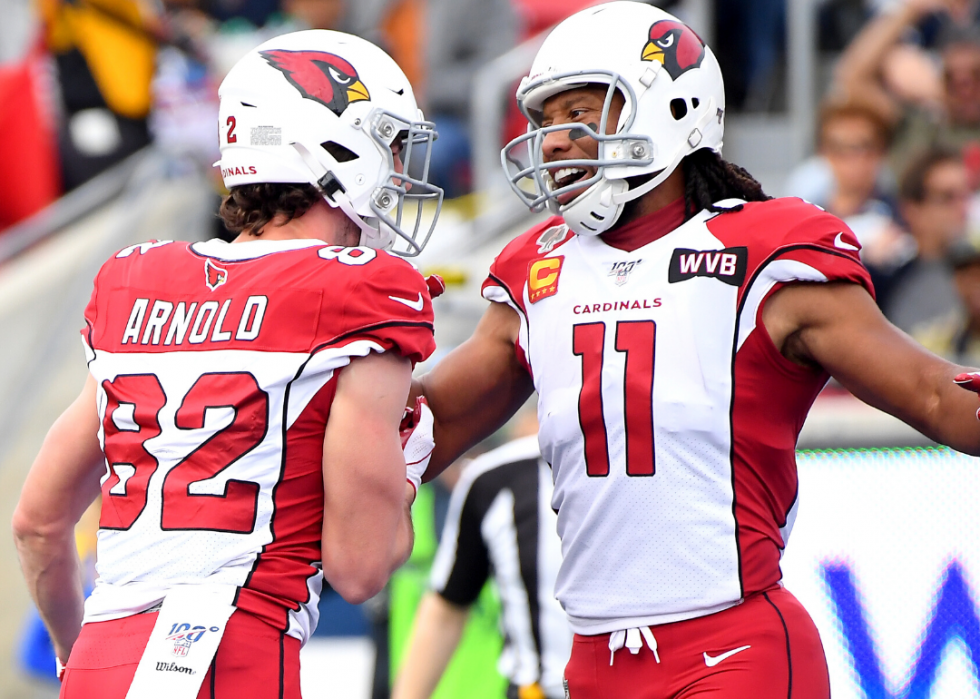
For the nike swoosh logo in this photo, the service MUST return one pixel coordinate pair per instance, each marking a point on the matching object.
(839, 242)
(712, 661)
(414, 305)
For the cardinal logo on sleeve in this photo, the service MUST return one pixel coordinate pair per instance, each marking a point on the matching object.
(675, 45)
(320, 76)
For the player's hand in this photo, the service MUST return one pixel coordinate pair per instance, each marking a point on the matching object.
(417, 442)
(969, 381)
(436, 284)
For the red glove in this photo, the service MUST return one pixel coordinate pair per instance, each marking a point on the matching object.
(417, 443)
(436, 284)
(971, 382)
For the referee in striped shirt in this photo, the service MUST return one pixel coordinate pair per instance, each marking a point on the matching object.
(500, 523)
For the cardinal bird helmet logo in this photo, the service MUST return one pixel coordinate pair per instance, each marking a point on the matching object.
(320, 76)
(675, 45)
(215, 276)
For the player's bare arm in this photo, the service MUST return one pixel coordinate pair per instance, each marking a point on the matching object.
(367, 530)
(838, 327)
(438, 628)
(476, 388)
(62, 483)
(860, 70)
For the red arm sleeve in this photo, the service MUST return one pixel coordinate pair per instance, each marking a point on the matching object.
(388, 303)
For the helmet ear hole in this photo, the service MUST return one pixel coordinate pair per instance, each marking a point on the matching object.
(341, 154)
(695, 102)
(678, 108)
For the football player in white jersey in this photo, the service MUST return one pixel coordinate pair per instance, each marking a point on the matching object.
(241, 418)
(677, 324)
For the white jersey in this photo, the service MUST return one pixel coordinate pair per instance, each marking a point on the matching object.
(669, 421)
(215, 366)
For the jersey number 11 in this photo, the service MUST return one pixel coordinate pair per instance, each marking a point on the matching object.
(635, 338)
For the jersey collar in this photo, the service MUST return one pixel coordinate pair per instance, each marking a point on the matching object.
(251, 249)
(646, 229)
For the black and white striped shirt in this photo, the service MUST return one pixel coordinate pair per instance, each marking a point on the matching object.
(500, 523)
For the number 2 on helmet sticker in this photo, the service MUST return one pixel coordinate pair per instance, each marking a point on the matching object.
(232, 137)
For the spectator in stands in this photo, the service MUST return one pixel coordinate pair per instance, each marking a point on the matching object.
(927, 108)
(105, 52)
(854, 138)
(397, 26)
(315, 14)
(956, 336)
(29, 172)
(255, 12)
(750, 42)
(848, 177)
(934, 196)
(461, 37)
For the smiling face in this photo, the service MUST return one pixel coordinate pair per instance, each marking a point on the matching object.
(854, 150)
(940, 216)
(582, 105)
(961, 82)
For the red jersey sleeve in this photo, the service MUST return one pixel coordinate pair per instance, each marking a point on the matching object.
(791, 230)
(825, 242)
(92, 314)
(508, 273)
(387, 302)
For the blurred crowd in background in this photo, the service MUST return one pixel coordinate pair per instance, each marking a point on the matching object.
(896, 149)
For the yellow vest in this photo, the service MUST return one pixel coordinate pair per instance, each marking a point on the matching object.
(114, 38)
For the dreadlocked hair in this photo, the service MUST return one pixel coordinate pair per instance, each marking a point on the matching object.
(708, 178)
(249, 207)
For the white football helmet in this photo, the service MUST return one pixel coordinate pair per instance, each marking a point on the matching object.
(674, 105)
(323, 107)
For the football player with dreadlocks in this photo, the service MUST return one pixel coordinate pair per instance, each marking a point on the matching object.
(242, 415)
(677, 324)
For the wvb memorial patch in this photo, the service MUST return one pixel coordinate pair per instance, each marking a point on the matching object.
(727, 265)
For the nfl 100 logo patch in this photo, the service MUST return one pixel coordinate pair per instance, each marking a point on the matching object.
(185, 636)
(620, 271)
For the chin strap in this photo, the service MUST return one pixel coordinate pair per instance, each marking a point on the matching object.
(333, 193)
(693, 139)
(375, 237)
(597, 210)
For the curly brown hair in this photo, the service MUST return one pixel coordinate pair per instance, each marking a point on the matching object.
(249, 207)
